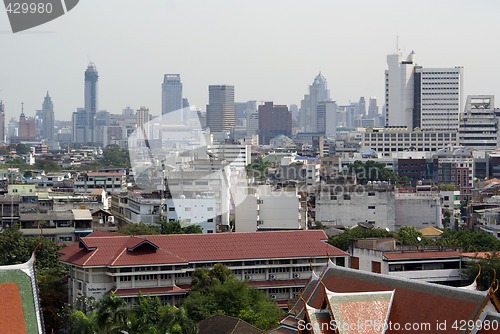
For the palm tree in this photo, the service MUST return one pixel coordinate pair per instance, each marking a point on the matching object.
(177, 321)
(111, 314)
(82, 323)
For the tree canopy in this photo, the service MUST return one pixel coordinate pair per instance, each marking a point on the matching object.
(162, 226)
(216, 291)
(47, 166)
(116, 156)
(258, 168)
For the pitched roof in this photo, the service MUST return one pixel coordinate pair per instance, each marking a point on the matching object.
(431, 231)
(224, 324)
(479, 255)
(414, 302)
(420, 255)
(113, 249)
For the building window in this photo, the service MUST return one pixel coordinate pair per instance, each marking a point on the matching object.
(371, 207)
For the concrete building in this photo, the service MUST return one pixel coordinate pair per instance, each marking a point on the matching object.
(479, 123)
(221, 110)
(2, 122)
(48, 118)
(274, 120)
(438, 98)
(326, 112)
(237, 156)
(278, 263)
(349, 204)
(111, 182)
(142, 122)
(399, 81)
(372, 107)
(171, 94)
(425, 263)
(419, 210)
(401, 139)
(268, 209)
(252, 122)
(318, 92)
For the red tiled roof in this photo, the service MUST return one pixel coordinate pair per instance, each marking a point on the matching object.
(421, 255)
(111, 248)
(480, 255)
(149, 291)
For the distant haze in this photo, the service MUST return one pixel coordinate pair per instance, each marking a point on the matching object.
(270, 50)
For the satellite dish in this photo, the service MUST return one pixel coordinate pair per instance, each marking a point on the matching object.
(387, 229)
(419, 239)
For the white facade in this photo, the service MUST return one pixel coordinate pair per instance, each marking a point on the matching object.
(479, 123)
(438, 99)
(399, 79)
(252, 122)
(418, 210)
(238, 156)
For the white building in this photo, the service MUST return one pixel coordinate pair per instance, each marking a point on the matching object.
(279, 263)
(418, 209)
(399, 79)
(270, 209)
(438, 98)
(238, 156)
(479, 123)
(401, 139)
(437, 265)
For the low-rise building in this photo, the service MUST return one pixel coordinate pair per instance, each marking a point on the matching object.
(279, 263)
(111, 182)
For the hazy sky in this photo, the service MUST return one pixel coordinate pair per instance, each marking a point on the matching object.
(270, 49)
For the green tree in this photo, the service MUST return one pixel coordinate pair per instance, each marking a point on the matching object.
(174, 227)
(446, 218)
(138, 229)
(258, 168)
(217, 292)
(342, 240)
(111, 314)
(4, 151)
(489, 265)
(81, 323)
(22, 149)
(116, 156)
(371, 171)
(319, 225)
(408, 235)
(47, 166)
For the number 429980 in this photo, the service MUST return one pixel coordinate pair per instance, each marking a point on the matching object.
(29, 7)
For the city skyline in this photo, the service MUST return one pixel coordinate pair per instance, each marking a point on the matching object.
(352, 61)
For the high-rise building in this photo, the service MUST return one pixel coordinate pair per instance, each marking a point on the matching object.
(327, 118)
(372, 107)
(84, 119)
(427, 98)
(274, 120)
(362, 107)
(221, 110)
(252, 122)
(48, 118)
(2, 122)
(479, 126)
(171, 93)
(27, 130)
(438, 98)
(318, 92)
(142, 122)
(399, 78)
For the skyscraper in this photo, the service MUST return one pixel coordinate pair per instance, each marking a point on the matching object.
(84, 119)
(2, 122)
(48, 118)
(318, 92)
(142, 120)
(399, 79)
(479, 128)
(362, 107)
(327, 118)
(171, 93)
(274, 120)
(372, 107)
(221, 110)
(427, 98)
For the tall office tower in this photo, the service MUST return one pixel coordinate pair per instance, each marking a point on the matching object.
(438, 98)
(327, 118)
(318, 92)
(399, 78)
(362, 107)
(142, 120)
(372, 107)
(171, 94)
(252, 122)
(2, 122)
(427, 98)
(128, 111)
(221, 110)
(102, 121)
(273, 121)
(90, 106)
(79, 123)
(48, 118)
(479, 128)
